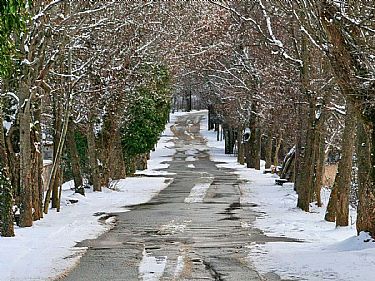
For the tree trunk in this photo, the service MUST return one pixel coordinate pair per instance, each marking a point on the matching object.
(37, 160)
(255, 149)
(268, 150)
(279, 140)
(331, 207)
(366, 177)
(112, 155)
(211, 124)
(299, 149)
(319, 153)
(338, 206)
(343, 178)
(26, 213)
(74, 158)
(35, 175)
(306, 175)
(54, 179)
(217, 130)
(13, 162)
(319, 169)
(6, 197)
(247, 154)
(93, 159)
(141, 161)
(255, 138)
(229, 140)
(118, 165)
(240, 154)
(56, 143)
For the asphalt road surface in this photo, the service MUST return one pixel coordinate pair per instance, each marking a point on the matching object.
(187, 232)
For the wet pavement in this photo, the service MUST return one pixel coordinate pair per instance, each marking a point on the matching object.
(195, 229)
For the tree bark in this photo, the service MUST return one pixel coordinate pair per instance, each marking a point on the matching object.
(112, 155)
(119, 162)
(348, 65)
(217, 130)
(366, 177)
(255, 138)
(279, 140)
(299, 149)
(39, 155)
(26, 213)
(6, 197)
(74, 158)
(211, 124)
(344, 172)
(56, 143)
(268, 150)
(331, 207)
(319, 169)
(306, 175)
(240, 154)
(319, 153)
(255, 149)
(339, 202)
(229, 140)
(37, 215)
(93, 159)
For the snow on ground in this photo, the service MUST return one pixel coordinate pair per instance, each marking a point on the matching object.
(198, 192)
(46, 249)
(190, 159)
(152, 268)
(163, 152)
(325, 253)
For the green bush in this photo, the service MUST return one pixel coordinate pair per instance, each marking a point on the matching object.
(148, 112)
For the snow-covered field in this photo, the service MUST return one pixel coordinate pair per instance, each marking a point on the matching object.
(47, 249)
(326, 253)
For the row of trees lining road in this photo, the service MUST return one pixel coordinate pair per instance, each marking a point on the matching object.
(96, 78)
(77, 74)
(308, 63)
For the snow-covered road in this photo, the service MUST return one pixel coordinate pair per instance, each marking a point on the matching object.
(205, 211)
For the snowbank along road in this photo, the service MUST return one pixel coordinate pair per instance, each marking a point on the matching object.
(195, 229)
